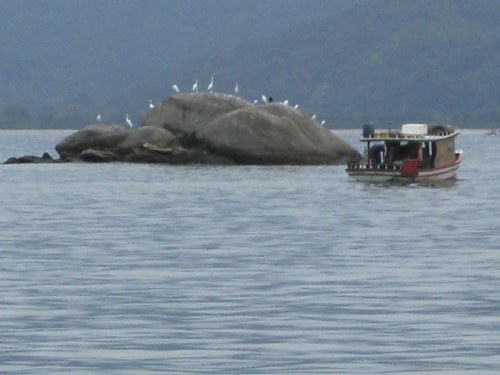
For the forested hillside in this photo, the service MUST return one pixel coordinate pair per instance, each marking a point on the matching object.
(385, 60)
(63, 61)
(351, 61)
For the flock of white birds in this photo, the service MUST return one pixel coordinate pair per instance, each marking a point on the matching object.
(210, 88)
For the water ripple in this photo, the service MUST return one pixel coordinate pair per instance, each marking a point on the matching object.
(126, 269)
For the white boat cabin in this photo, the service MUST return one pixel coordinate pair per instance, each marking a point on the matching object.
(431, 146)
(417, 151)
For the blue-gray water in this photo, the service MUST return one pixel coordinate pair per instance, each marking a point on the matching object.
(152, 269)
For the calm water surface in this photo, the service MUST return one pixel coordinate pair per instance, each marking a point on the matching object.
(149, 269)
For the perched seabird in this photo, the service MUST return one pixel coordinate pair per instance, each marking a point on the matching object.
(313, 117)
(176, 88)
(127, 120)
(264, 98)
(151, 104)
(323, 123)
(211, 85)
(195, 86)
(296, 106)
(99, 118)
(236, 88)
(285, 101)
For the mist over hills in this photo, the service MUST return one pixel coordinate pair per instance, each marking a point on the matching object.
(351, 61)
(386, 60)
(62, 61)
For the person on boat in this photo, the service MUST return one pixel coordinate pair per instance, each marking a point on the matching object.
(377, 153)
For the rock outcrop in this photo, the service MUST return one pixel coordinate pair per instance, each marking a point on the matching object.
(209, 128)
(249, 134)
(99, 137)
(105, 143)
(274, 134)
(45, 158)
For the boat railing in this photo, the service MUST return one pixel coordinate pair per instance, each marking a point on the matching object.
(402, 136)
(381, 166)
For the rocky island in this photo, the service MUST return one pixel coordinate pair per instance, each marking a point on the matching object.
(208, 128)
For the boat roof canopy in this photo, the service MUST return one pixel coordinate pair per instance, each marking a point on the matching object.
(413, 133)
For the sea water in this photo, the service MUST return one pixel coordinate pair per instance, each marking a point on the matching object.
(152, 269)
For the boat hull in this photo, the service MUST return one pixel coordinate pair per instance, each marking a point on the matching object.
(385, 174)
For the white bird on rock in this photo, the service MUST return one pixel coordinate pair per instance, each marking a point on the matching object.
(211, 85)
(264, 98)
(151, 105)
(99, 118)
(195, 86)
(236, 88)
(176, 88)
(127, 120)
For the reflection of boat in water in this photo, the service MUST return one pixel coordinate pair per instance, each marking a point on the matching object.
(417, 152)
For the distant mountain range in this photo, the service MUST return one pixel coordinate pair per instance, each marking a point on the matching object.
(385, 60)
(349, 62)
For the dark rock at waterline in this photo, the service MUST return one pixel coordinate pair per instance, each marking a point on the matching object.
(106, 143)
(99, 137)
(150, 153)
(97, 156)
(147, 134)
(45, 158)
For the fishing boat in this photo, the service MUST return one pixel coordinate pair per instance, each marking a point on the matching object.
(416, 152)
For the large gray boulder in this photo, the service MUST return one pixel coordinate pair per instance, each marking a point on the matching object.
(96, 136)
(245, 133)
(187, 113)
(274, 134)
